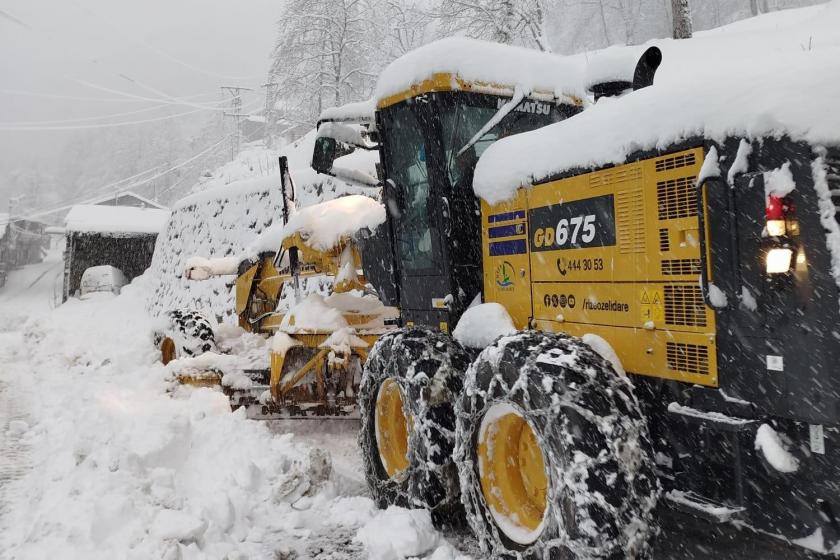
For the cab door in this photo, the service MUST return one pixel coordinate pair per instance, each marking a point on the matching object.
(424, 284)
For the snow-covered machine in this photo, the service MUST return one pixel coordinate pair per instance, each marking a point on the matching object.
(311, 364)
(688, 240)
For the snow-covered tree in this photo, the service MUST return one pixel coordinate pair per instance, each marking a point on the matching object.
(516, 22)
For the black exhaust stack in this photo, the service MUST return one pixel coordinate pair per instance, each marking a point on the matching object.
(642, 76)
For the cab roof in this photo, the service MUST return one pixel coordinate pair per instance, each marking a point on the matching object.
(460, 64)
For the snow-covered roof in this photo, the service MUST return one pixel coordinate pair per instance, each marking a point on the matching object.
(95, 218)
(359, 111)
(127, 194)
(776, 74)
(485, 63)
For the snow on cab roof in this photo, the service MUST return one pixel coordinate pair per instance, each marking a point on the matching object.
(486, 63)
(322, 226)
(776, 74)
(96, 218)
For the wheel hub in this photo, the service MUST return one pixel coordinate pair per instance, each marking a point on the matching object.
(167, 350)
(512, 473)
(392, 428)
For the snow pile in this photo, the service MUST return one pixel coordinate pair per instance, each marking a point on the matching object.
(98, 218)
(755, 82)
(359, 111)
(490, 64)
(124, 470)
(779, 182)
(313, 314)
(768, 441)
(482, 324)
(398, 533)
(222, 221)
(323, 225)
(605, 350)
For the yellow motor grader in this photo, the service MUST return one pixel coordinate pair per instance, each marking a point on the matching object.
(316, 345)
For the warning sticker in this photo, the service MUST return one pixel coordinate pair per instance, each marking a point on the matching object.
(650, 304)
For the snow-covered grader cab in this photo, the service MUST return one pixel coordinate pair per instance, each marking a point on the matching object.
(659, 277)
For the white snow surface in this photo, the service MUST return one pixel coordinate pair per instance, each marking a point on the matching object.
(492, 64)
(112, 465)
(780, 74)
(398, 533)
(100, 218)
(710, 167)
(768, 441)
(358, 111)
(482, 324)
(323, 225)
(828, 214)
(717, 297)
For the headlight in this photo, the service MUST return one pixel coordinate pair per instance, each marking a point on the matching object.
(778, 260)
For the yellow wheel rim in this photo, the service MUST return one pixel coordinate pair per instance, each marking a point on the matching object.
(167, 350)
(392, 429)
(512, 471)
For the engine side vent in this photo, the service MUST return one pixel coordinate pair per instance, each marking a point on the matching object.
(680, 267)
(630, 222)
(684, 306)
(664, 240)
(675, 162)
(627, 173)
(832, 162)
(688, 358)
(675, 198)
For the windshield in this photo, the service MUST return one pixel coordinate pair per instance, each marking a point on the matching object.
(464, 117)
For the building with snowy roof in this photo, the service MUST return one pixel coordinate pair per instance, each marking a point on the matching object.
(128, 198)
(21, 242)
(120, 236)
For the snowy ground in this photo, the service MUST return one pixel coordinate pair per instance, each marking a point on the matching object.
(100, 461)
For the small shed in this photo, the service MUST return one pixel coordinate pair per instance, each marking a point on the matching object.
(120, 236)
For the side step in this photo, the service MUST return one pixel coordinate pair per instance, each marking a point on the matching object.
(698, 506)
(714, 420)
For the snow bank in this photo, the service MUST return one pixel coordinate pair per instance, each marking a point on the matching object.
(125, 470)
(757, 83)
(100, 218)
(323, 225)
(222, 221)
(492, 64)
(482, 324)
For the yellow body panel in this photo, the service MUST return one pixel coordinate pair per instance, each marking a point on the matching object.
(614, 253)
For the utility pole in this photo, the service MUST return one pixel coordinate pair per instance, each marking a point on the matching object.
(268, 114)
(236, 113)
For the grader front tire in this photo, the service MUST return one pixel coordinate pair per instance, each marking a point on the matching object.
(554, 454)
(410, 381)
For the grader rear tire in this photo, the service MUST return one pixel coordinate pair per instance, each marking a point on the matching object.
(554, 454)
(410, 381)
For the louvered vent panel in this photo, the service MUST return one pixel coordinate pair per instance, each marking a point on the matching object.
(675, 198)
(630, 221)
(618, 176)
(664, 240)
(675, 162)
(688, 358)
(833, 171)
(684, 306)
(680, 267)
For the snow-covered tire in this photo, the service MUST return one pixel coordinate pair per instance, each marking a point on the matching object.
(428, 367)
(189, 333)
(600, 486)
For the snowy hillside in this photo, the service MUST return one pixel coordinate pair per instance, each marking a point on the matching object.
(230, 210)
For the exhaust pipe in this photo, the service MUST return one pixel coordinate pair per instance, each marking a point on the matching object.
(613, 85)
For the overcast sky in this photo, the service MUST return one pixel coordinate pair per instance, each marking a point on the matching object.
(180, 47)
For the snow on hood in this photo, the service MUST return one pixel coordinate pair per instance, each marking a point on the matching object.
(480, 61)
(323, 225)
(777, 75)
(100, 218)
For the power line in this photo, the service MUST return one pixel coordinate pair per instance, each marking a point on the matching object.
(98, 125)
(88, 98)
(129, 187)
